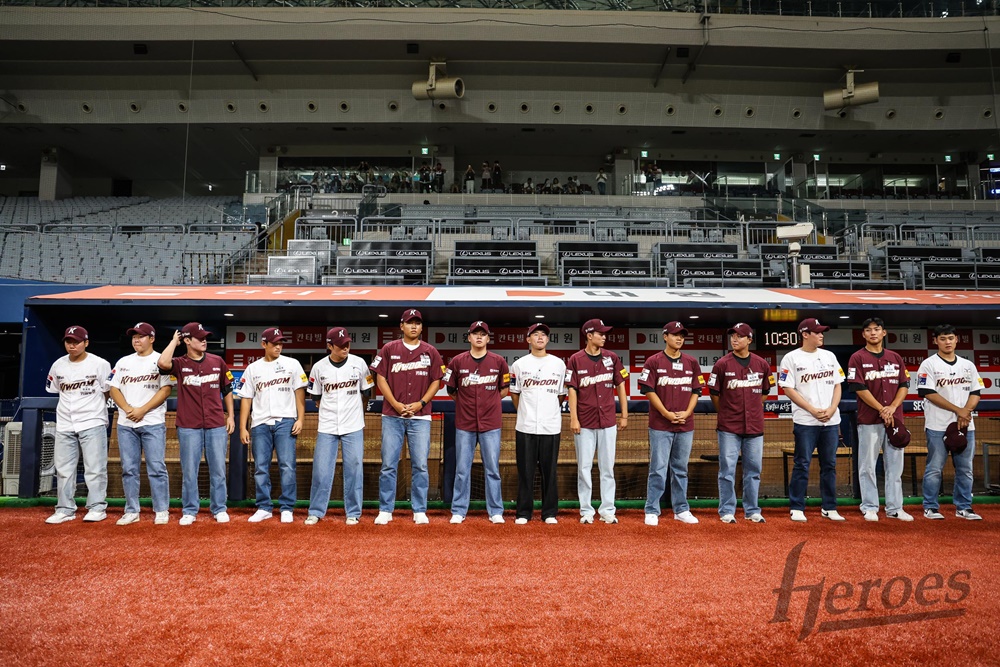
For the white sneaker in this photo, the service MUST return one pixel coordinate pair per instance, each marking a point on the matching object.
(60, 517)
(968, 514)
(162, 518)
(311, 520)
(901, 515)
(287, 516)
(352, 521)
(383, 518)
(871, 516)
(551, 520)
(652, 520)
(686, 517)
(222, 517)
(727, 518)
(497, 518)
(933, 514)
(260, 515)
(95, 515)
(756, 518)
(520, 521)
(420, 518)
(187, 519)
(587, 519)
(798, 515)
(609, 518)
(834, 515)
(456, 518)
(127, 518)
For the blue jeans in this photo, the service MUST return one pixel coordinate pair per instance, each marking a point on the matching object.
(465, 450)
(808, 438)
(936, 457)
(668, 449)
(324, 466)
(871, 438)
(418, 440)
(132, 443)
(193, 442)
(267, 439)
(731, 447)
(93, 444)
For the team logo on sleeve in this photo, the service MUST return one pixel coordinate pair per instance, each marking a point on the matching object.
(982, 385)
(783, 375)
(851, 373)
(376, 361)
(712, 379)
(770, 380)
(569, 376)
(701, 379)
(907, 373)
(922, 380)
(506, 378)
(447, 376)
(644, 376)
(112, 375)
(312, 383)
(513, 379)
(623, 372)
(48, 382)
(368, 379)
(840, 372)
(304, 378)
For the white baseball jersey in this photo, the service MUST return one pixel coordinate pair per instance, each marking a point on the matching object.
(814, 375)
(339, 386)
(81, 386)
(272, 385)
(138, 379)
(539, 382)
(953, 381)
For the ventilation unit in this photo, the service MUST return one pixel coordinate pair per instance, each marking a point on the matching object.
(12, 458)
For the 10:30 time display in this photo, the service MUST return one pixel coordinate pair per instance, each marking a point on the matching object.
(781, 338)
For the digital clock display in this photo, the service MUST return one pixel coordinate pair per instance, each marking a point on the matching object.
(781, 338)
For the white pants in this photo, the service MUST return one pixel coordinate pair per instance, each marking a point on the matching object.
(93, 443)
(871, 438)
(603, 440)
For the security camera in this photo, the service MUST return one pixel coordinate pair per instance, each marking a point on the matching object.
(797, 232)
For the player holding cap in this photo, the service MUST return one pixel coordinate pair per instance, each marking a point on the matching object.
(409, 373)
(672, 383)
(879, 378)
(340, 383)
(204, 386)
(593, 376)
(140, 391)
(811, 378)
(477, 380)
(81, 380)
(739, 385)
(274, 390)
(536, 389)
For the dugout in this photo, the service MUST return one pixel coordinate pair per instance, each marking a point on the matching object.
(235, 314)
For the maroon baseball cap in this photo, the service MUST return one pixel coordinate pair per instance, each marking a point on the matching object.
(897, 434)
(194, 330)
(812, 325)
(538, 326)
(338, 336)
(955, 440)
(590, 326)
(273, 335)
(479, 324)
(143, 329)
(411, 314)
(75, 333)
(740, 329)
(674, 328)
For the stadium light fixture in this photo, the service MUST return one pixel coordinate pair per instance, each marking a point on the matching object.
(438, 85)
(852, 95)
(3, 167)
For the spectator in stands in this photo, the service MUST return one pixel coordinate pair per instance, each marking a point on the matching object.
(811, 378)
(478, 380)
(141, 392)
(394, 182)
(272, 390)
(545, 188)
(81, 381)
(470, 180)
(536, 389)
(880, 380)
(439, 172)
(950, 387)
(529, 187)
(555, 188)
(426, 178)
(340, 383)
(204, 386)
(739, 385)
(593, 376)
(409, 373)
(672, 383)
(405, 181)
(571, 188)
(487, 178)
(497, 177)
(602, 182)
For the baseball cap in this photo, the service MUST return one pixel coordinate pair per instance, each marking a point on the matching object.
(411, 314)
(194, 330)
(538, 326)
(590, 326)
(812, 325)
(897, 434)
(143, 329)
(273, 335)
(338, 336)
(674, 328)
(78, 334)
(955, 440)
(740, 329)
(479, 324)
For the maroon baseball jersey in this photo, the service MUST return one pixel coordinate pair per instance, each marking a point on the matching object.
(408, 372)
(673, 381)
(477, 383)
(882, 375)
(595, 380)
(200, 387)
(741, 388)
